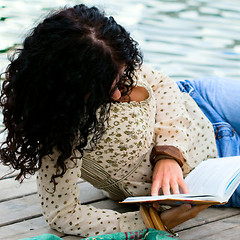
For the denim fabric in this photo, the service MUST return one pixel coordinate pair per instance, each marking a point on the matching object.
(223, 96)
(219, 100)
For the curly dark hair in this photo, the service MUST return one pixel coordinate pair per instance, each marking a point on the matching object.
(58, 86)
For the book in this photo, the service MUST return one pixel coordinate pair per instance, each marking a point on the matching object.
(212, 182)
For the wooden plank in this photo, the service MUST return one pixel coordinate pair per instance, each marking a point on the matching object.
(6, 172)
(25, 229)
(29, 206)
(208, 215)
(24, 213)
(37, 226)
(229, 234)
(19, 209)
(214, 230)
(10, 188)
(209, 233)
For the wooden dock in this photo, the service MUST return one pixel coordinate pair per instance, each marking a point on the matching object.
(21, 217)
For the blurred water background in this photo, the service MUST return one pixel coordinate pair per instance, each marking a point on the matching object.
(184, 38)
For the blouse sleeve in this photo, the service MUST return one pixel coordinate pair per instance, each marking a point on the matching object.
(178, 122)
(64, 212)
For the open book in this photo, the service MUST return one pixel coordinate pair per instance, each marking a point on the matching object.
(213, 181)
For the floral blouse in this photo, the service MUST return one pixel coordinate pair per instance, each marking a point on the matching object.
(166, 117)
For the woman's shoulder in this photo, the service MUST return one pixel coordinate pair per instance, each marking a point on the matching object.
(153, 76)
(145, 70)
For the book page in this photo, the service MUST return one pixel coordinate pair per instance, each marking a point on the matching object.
(212, 182)
(214, 176)
(174, 199)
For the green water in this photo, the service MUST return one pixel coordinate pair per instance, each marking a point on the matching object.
(186, 39)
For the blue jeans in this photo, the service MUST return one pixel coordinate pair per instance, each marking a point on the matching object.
(219, 100)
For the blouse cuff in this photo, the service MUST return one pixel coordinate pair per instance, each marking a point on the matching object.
(166, 152)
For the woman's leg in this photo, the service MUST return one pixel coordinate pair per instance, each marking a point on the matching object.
(234, 201)
(223, 95)
(220, 101)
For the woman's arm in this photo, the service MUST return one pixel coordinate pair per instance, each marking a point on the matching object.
(64, 212)
(173, 128)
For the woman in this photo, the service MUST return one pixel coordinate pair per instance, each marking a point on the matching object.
(77, 102)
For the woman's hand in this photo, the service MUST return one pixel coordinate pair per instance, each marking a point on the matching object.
(167, 175)
(177, 215)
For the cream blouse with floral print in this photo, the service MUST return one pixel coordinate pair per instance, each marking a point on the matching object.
(166, 117)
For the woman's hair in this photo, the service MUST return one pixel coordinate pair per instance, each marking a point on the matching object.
(58, 87)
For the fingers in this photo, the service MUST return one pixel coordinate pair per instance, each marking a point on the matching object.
(165, 189)
(156, 185)
(167, 186)
(167, 175)
(183, 186)
(175, 187)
